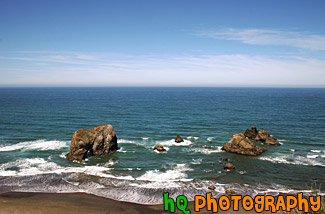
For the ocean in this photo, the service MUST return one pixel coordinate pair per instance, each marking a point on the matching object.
(37, 124)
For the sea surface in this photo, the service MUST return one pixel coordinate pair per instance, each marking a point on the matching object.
(36, 126)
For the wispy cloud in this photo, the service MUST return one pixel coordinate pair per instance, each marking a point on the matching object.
(67, 68)
(295, 39)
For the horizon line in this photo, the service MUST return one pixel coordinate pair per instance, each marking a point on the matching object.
(159, 86)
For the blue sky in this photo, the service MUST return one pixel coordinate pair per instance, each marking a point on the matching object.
(162, 43)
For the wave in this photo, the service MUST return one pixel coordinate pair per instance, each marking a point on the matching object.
(316, 151)
(38, 166)
(196, 161)
(295, 160)
(98, 180)
(207, 151)
(173, 143)
(210, 139)
(126, 141)
(149, 144)
(39, 145)
(192, 138)
(177, 174)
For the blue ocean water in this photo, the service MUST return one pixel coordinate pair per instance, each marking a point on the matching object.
(36, 126)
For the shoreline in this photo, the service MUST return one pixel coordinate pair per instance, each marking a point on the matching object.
(80, 203)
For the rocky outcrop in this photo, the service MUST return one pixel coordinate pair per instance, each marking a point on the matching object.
(262, 136)
(241, 145)
(178, 139)
(271, 141)
(229, 166)
(159, 148)
(97, 141)
(251, 133)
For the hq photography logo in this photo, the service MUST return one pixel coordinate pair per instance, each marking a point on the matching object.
(259, 203)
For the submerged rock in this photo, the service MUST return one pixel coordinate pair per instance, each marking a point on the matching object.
(159, 148)
(262, 136)
(229, 166)
(241, 145)
(97, 141)
(178, 139)
(211, 187)
(230, 192)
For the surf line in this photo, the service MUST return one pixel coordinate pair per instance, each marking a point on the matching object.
(259, 203)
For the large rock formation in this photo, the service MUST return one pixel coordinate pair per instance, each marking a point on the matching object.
(242, 145)
(179, 139)
(261, 135)
(98, 141)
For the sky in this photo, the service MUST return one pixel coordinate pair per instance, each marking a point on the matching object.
(209, 43)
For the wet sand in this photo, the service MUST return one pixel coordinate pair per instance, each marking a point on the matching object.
(78, 203)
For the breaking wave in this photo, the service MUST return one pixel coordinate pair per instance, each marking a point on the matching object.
(39, 145)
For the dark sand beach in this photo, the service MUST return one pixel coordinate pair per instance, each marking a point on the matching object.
(78, 203)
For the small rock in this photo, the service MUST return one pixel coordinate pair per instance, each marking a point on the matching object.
(178, 139)
(211, 187)
(230, 192)
(225, 159)
(159, 148)
(229, 166)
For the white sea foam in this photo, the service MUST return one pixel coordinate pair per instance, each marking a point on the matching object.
(100, 171)
(121, 149)
(165, 147)
(312, 156)
(39, 145)
(28, 166)
(196, 161)
(36, 166)
(207, 151)
(210, 138)
(125, 141)
(173, 143)
(191, 137)
(293, 150)
(176, 174)
(292, 159)
(145, 138)
(110, 163)
(157, 185)
(316, 151)
(62, 155)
